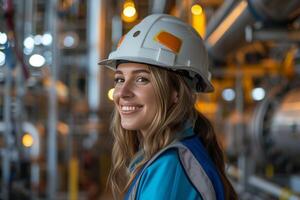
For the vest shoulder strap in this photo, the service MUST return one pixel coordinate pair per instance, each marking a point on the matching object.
(193, 169)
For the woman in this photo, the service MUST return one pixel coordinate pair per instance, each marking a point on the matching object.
(164, 148)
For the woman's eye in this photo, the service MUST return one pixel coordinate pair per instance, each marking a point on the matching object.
(118, 80)
(142, 80)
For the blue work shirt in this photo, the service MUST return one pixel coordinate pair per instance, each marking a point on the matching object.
(165, 178)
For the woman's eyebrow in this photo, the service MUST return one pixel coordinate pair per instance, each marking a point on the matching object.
(140, 71)
(118, 72)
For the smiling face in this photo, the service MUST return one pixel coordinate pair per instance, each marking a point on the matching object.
(134, 96)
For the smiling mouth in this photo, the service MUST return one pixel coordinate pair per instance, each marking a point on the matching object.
(130, 109)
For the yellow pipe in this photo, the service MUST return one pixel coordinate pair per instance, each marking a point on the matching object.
(73, 179)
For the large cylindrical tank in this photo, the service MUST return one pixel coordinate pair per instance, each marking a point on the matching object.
(269, 132)
(285, 124)
(275, 127)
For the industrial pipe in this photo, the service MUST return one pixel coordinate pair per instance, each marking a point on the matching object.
(229, 35)
(264, 185)
(51, 27)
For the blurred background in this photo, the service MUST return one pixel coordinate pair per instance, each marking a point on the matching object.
(55, 106)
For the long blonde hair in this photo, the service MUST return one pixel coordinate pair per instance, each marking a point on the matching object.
(169, 119)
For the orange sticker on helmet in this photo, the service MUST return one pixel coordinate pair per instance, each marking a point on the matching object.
(169, 40)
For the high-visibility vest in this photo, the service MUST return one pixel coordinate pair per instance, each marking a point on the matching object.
(198, 166)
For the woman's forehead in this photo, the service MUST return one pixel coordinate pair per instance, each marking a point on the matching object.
(132, 64)
(132, 68)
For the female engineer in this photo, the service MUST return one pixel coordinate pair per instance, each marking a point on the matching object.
(163, 148)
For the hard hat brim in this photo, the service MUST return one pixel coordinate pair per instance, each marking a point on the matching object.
(112, 64)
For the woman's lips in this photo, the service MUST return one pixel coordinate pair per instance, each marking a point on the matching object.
(128, 109)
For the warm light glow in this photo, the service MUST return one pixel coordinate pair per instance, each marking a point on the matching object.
(129, 9)
(129, 13)
(63, 128)
(227, 22)
(198, 19)
(196, 9)
(27, 140)
(111, 93)
(62, 90)
(206, 107)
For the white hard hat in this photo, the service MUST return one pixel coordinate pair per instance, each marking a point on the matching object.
(165, 41)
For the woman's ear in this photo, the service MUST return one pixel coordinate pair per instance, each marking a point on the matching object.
(174, 97)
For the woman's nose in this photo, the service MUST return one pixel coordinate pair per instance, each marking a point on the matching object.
(125, 90)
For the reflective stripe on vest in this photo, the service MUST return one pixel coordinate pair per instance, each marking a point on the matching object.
(203, 175)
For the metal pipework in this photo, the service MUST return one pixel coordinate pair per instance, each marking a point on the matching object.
(158, 6)
(285, 124)
(274, 127)
(271, 34)
(264, 185)
(94, 32)
(52, 28)
(219, 16)
(7, 134)
(229, 35)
